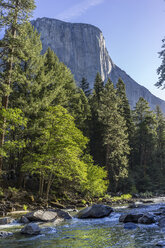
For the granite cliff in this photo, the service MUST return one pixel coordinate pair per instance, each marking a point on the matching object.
(82, 48)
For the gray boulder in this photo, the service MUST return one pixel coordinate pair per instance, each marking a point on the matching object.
(24, 220)
(160, 244)
(6, 220)
(47, 215)
(95, 211)
(31, 229)
(161, 222)
(146, 219)
(130, 218)
(41, 215)
(4, 234)
(130, 226)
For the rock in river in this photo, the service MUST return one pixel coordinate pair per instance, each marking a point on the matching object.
(146, 219)
(130, 218)
(6, 220)
(161, 222)
(47, 215)
(4, 234)
(95, 211)
(160, 244)
(130, 226)
(31, 229)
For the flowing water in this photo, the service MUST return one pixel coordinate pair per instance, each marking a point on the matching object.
(103, 233)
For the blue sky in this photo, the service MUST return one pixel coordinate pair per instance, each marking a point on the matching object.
(133, 31)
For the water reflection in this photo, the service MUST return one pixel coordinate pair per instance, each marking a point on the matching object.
(98, 233)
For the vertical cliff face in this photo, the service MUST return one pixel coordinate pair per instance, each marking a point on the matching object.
(82, 48)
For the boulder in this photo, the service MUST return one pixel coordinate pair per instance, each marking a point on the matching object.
(47, 215)
(146, 219)
(130, 226)
(24, 220)
(95, 211)
(41, 215)
(161, 222)
(63, 215)
(4, 234)
(130, 218)
(160, 244)
(31, 229)
(6, 220)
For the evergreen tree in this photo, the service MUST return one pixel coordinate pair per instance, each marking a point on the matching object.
(144, 144)
(115, 137)
(14, 13)
(84, 85)
(96, 142)
(124, 107)
(81, 111)
(161, 69)
(98, 87)
(160, 149)
(125, 112)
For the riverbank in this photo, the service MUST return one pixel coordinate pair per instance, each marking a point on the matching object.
(14, 201)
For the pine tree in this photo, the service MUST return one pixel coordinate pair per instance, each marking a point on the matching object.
(124, 107)
(84, 85)
(98, 87)
(144, 143)
(115, 137)
(125, 112)
(14, 13)
(160, 149)
(96, 142)
(81, 111)
(161, 69)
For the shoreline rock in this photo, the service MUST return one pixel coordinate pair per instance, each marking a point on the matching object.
(95, 211)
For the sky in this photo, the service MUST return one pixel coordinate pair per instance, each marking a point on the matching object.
(133, 31)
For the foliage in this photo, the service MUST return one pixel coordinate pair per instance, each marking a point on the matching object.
(13, 190)
(25, 207)
(96, 178)
(161, 69)
(84, 85)
(1, 192)
(115, 137)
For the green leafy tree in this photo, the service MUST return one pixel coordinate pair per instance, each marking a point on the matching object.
(60, 153)
(97, 182)
(115, 137)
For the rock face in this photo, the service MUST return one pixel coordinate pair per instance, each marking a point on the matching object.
(95, 211)
(82, 48)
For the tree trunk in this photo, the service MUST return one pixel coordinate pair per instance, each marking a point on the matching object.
(48, 186)
(41, 186)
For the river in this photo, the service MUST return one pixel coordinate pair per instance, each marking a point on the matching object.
(100, 233)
